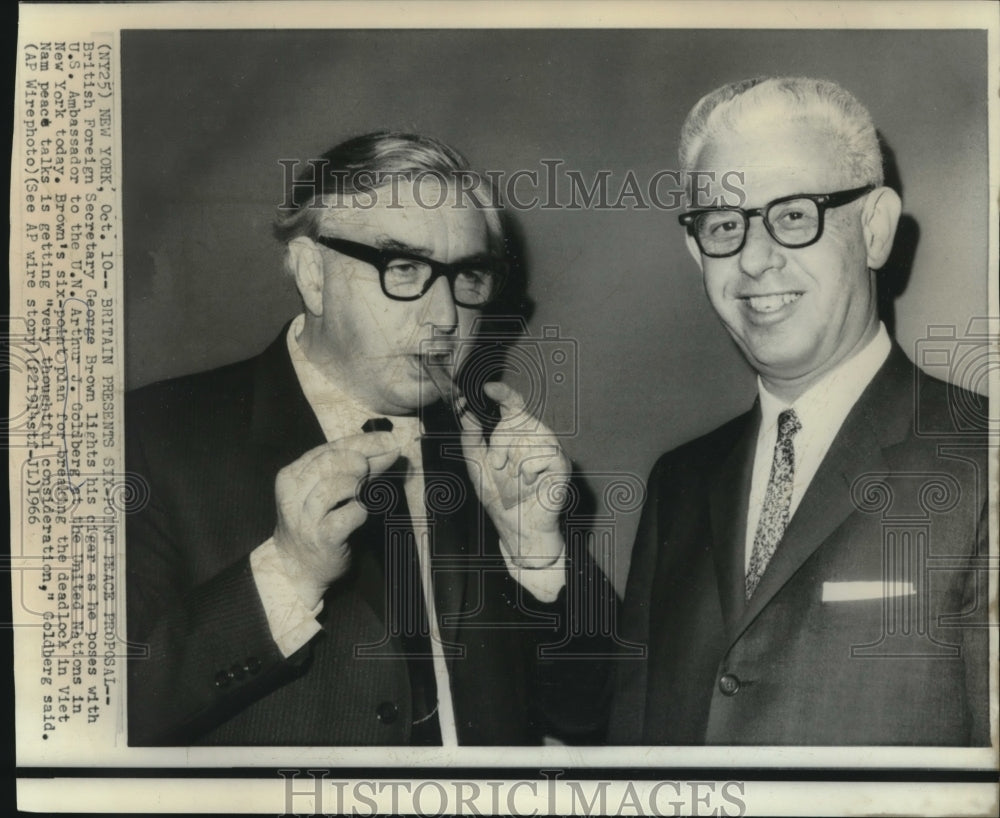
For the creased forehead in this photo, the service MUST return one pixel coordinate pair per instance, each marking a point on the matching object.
(412, 205)
(426, 216)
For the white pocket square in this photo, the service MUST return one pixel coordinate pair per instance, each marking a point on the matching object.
(874, 589)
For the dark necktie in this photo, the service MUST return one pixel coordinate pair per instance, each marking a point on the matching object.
(406, 612)
(774, 513)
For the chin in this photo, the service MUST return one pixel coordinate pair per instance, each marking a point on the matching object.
(410, 404)
(773, 363)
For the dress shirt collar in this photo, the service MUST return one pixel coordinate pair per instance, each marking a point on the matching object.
(826, 403)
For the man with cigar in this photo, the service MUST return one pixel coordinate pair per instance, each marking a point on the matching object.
(335, 550)
(812, 572)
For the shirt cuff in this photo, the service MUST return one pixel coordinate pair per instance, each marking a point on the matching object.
(542, 583)
(292, 624)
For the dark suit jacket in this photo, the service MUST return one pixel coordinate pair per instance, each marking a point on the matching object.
(210, 446)
(901, 493)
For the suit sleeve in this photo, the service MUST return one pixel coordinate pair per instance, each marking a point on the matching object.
(574, 670)
(197, 654)
(629, 703)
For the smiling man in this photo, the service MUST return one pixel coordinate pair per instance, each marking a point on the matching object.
(335, 551)
(774, 581)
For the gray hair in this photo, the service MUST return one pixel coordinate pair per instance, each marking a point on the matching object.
(366, 163)
(820, 103)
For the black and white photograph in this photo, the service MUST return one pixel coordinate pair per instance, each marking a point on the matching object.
(527, 399)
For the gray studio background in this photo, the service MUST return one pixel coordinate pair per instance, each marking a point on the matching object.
(207, 115)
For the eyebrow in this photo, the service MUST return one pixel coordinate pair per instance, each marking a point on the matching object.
(402, 246)
(389, 244)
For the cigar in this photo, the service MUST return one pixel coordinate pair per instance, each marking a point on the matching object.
(439, 367)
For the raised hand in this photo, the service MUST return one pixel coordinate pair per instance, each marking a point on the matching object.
(317, 509)
(520, 476)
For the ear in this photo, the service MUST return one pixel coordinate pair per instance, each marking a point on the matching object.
(879, 218)
(305, 262)
(695, 252)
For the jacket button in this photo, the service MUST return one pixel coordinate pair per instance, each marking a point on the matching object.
(729, 684)
(223, 678)
(387, 712)
(238, 671)
(252, 664)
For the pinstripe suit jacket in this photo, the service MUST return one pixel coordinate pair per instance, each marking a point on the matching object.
(206, 670)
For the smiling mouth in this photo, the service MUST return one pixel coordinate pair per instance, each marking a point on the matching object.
(770, 303)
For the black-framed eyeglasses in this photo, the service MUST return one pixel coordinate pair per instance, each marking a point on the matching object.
(405, 276)
(792, 221)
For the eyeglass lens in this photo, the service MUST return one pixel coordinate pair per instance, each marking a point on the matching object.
(792, 223)
(407, 278)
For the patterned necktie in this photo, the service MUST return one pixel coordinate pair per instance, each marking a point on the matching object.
(777, 501)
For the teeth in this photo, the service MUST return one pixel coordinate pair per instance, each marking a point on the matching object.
(770, 303)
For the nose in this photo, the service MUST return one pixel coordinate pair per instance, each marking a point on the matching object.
(439, 308)
(760, 252)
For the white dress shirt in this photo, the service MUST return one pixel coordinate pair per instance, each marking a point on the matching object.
(291, 621)
(822, 410)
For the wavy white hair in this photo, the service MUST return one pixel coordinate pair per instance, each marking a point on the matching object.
(819, 103)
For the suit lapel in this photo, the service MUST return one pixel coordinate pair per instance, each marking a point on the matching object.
(879, 418)
(282, 421)
(728, 499)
